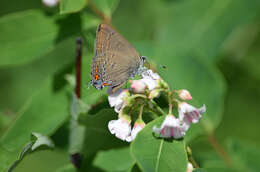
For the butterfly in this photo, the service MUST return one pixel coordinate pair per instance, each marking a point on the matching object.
(115, 59)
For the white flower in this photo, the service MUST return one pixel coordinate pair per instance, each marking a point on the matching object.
(138, 126)
(150, 83)
(171, 127)
(117, 99)
(121, 128)
(150, 75)
(189, 114)
(184, 94)
(189, 167)
(50, 3)
(138, 86)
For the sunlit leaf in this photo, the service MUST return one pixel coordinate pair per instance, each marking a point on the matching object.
(156, 154)
(70, 6)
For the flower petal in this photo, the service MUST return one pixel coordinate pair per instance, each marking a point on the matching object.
(138, 126)
(116, 99)
(184, 94)
(171, 127)
(121, 128)
(190, 114)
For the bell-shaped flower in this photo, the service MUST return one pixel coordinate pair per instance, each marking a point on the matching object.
(150, 79)
(121, 127)
(117, 99)
(138, 126)
(184, 94)
(189, 114)
(170, 128)
(149, 74)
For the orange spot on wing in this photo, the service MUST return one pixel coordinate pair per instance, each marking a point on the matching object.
(106, 84)
(96, 73)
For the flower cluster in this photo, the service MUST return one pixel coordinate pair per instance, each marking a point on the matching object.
(142, 92)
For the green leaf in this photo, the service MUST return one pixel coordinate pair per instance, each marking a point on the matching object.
(26, 79)
(156, 154)
(97, 135)
(43, 113)
(106, 6)
(67, 168)
(199, 170)
(71, 6)
(37, 141)
(245, 155)
(114, 160)
(77, 131)
(28, 35)
(195, 25)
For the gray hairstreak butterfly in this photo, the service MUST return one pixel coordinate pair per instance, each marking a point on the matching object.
(115, 59)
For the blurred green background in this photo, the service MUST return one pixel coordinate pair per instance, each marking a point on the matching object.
(211, 48)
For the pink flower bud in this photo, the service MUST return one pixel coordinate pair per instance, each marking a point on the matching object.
(184, 94)
(138, 86)
(138, 126)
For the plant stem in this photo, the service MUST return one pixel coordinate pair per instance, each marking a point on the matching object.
(157, 107)
(219, 149)
(78, 67)
(141, 112)
(193, 162)
(76, 158)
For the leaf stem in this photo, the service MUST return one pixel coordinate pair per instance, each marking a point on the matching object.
(219, 149)
(193, 162)
(170, 100)
(141, 112)
(157, 108)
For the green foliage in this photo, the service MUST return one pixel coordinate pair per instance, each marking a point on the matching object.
(153, 154)
(70, 6)
(114, 160)
(210, 48)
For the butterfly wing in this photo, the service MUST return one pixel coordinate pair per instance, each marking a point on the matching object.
(115, 58)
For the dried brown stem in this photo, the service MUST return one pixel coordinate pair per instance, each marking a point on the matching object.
(76, 158)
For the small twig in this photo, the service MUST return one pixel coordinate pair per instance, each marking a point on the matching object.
(107, 19)
(76, 158)
(219, 149)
